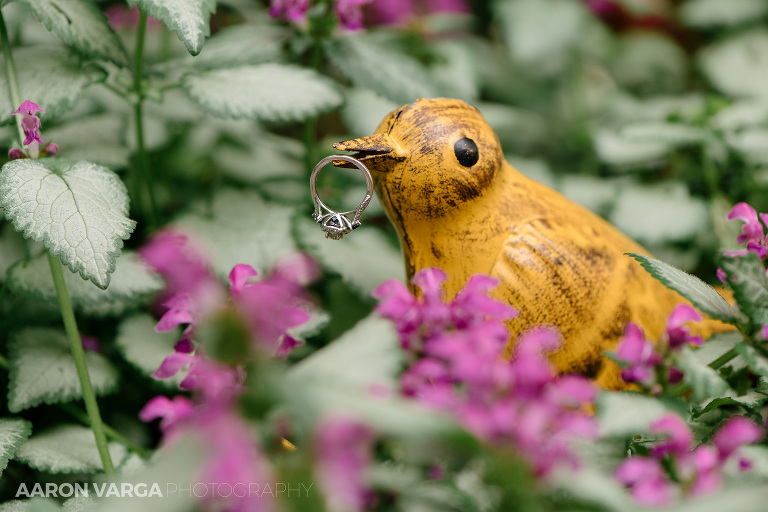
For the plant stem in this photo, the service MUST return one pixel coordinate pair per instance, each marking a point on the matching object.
(83, 418)
(10, 75)
(109, 431)
(723, 359)
(76, 346)
(138, 114)
(310, 125)
(67, 314)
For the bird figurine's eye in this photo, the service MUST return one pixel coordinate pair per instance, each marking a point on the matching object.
(466, 152)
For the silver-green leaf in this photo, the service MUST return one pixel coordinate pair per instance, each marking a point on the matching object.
(142, 346)
(80, 24)
(51, 77)
(270, 92)
(240, 227)
(13, 432)
(364, 260)
(691, 287)
(374, 65)
(66, 449)
(43, 370)
(77, 210)
(131, 285)
(188, 18)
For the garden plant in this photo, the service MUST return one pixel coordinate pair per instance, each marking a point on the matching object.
(177, 334)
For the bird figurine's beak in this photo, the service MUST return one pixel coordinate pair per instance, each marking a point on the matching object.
(379, 152)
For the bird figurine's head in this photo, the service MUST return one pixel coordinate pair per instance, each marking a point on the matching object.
(429, 157)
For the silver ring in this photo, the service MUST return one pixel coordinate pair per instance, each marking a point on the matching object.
(337, 224)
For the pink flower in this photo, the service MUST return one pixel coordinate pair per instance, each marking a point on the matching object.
(679, 440)
(401, 12)
(290, 10)
(647, 480)
(172, 411)
(350, 13)
(678, 334)
(124, 17)
(639, 353)
(751, 231)
(459, 368)
(344, 450)
(737, 432)
(29, 122)
(270, 307)
(15, 154)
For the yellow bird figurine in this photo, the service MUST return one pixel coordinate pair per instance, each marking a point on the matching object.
(457, 204)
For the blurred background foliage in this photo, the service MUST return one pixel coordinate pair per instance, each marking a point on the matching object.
(652, 113)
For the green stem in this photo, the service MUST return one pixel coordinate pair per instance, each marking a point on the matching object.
(83, 418)
(143, 161)
(723, 359)
(10, 75)
(111, 433)
(310, 125)
(76, 346)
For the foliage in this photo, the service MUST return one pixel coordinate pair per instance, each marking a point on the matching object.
(171, 184)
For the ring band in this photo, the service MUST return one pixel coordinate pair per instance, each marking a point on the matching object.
(337, 224)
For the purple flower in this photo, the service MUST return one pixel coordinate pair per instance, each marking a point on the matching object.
(678, 334)
(350, 13)
(29, 122)
(751, 231)
(270, 307)
(647, 480)
(15, 154)
(639, 353)
(458, 347)
(679, 440)
(402, 12)
(343, 452)
(172, 411)
(290, 10)
(90, 343)
(737, 432)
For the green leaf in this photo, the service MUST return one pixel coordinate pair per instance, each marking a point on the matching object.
(372, 64)
(51, 77)
(43, 370)
(710, 13)
(13, 432)
(615, 149)
(674, 134)
(270, 92)
(96, 138)
(692, 288)
(756, 361)
(143, 347)
(30, 505)
(81, 504)
(66, 449)
(11, 249)
(364, 109)
(626, 414)
(80, 24)
(364, 259)
(367, 354)
(240, 227)
(237, 46)
(746, 277)
(703, 380)
(188, 18)
(642, 212)
(77, 210)
(131, 284)
(738, 66)
(750, 402)
(542, 35)
(718, 345)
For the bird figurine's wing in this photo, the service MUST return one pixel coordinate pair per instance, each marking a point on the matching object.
(573, 274)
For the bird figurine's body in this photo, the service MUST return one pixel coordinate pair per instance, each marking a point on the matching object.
(457, 204)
